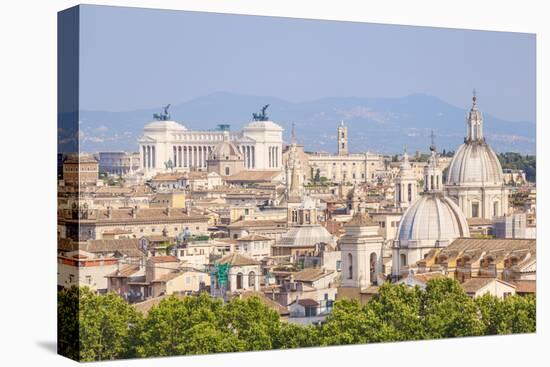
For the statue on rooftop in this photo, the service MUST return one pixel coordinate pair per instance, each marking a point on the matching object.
(164, 116)
(262, 116)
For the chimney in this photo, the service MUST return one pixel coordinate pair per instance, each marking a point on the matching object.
(118, 268)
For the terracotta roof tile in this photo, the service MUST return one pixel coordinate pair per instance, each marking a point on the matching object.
(236, 259)
(250, 176)
(525, 286)
(163, 259)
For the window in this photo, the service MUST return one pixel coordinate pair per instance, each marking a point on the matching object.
(88, 279)
(240, 281)
(495, 209)
(475, 210)
(350, 266)
(251, 279)
(227, 171)
(403, 259)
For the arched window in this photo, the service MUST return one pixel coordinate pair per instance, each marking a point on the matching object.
(350, 266)
(373, 268)
(240, 281)
(251, 279)
(227, 171)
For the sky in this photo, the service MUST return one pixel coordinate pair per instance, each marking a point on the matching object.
(134, 58)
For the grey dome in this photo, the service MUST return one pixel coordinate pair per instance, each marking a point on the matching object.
(475, 163)
(307, 235)
(432, 219)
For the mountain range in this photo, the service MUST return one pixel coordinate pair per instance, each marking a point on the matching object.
(384, 125)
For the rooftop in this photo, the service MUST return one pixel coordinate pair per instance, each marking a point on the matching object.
(236, 259)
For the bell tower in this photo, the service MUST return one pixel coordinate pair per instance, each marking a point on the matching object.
(342, 139)
(406, 190)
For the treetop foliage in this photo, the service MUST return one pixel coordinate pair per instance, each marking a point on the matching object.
(96, 327)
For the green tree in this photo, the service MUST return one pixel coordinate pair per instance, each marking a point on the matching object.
(515, 314)
(347, 324)
(165, 331)
(252, 322)
(448, 311)
(204, 338)
(396, 310)
(296, 336)
(99, 330)
(68, 341)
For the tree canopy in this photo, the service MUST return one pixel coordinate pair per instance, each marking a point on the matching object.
(96, 327)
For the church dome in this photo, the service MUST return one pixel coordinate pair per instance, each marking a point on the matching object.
(475, 163)
(307, 235)
(225, 150)
(432, 220)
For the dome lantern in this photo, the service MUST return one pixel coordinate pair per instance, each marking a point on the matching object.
(475, 122)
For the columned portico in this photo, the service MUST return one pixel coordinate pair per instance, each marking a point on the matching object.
(260, 144)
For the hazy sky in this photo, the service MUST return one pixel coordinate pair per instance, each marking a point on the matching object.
(140, 58)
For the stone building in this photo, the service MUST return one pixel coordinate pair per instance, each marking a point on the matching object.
(362, 253)
(167, 143)
(511, 260)
(118, 163)
(342, 139)
(225, 159)
(83, 224)
(340, 168)
(244, 273)
(406, 185)
(80, 170)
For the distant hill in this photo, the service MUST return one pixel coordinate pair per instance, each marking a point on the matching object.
(383, 125)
